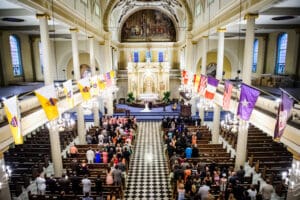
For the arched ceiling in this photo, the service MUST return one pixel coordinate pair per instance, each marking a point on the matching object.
(126, 8)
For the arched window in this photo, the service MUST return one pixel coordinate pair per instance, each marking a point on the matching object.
(255, 55)
(16, 58)
(281, 53)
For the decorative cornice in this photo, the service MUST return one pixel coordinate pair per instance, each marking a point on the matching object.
(221, 30)
(250, 16)
(74, 29)
(42, 15)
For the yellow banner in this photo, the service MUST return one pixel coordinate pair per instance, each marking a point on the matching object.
(112, 74)
(48, 99)
(84, 88)
(94, 86)
(12, 111)
(68, 91)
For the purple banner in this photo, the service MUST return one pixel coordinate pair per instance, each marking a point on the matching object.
(284, 111)
(247, 101)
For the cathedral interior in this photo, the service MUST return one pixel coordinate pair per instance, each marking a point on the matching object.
(145, 46)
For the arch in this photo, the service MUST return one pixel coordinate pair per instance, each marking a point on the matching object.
(148, 25)
(111, 4)
(84, 60)
(211, 60)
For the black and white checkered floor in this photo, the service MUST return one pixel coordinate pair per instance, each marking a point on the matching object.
(148, 173)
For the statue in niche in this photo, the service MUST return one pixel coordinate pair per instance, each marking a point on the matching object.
(148, 85)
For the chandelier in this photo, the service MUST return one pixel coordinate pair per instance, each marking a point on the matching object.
(230, 123)
(64, 122)
(6, 171)
(292, 178)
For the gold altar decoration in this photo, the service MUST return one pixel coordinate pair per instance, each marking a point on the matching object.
(148, 78)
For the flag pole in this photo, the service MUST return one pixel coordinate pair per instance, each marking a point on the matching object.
(291, 96)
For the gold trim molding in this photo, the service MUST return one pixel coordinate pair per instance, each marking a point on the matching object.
(221, 30)
(250, 16)
(42, 15)
(74, 29)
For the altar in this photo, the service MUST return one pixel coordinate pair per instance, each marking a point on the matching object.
(148, 80)
(148, 98)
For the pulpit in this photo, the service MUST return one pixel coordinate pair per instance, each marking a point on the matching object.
(185, 110)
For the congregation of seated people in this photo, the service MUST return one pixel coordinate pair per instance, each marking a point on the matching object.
(192, 176)
(98, 169)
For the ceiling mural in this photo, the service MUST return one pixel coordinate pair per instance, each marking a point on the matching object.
(148, 26)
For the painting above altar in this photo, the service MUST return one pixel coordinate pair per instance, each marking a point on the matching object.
(148, 26)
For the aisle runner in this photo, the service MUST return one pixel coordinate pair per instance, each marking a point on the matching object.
(148, 174)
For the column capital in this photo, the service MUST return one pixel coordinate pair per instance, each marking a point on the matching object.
(42, 15)
(101, 42)
(204, 37)
(221, 30)
(250, 16)
(75, 29)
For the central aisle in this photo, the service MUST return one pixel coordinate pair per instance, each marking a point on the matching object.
(148, 176)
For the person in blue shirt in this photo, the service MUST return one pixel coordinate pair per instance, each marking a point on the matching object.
(188, 152)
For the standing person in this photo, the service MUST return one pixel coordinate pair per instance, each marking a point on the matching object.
(188, 152)
(267, 190)
(75, 180)
(105, 156)
(117, 175)
(86, 185)
(97, 156)
(41, 184)
(203, 191)
(252, 192)
(73, 151)
(241, 174)
(181, 191)
(109, 177)
(90, 155)
(52, 184)
(98, 185)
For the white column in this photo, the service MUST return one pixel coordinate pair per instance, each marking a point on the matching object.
(203, 70)
(96, 112)
(248, 51)
(81, 125)
(4, 190)
(189, 52)
(93, 69)
(75, 53)
(241, 148)
(44, 34)
(220, 58)
(216, 125)
(203, 54)
(109, 104)
(92, 55)
(55, 149)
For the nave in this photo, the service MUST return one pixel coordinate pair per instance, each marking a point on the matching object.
(148, 176)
